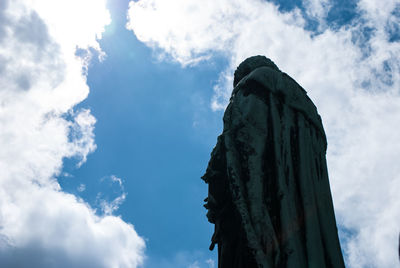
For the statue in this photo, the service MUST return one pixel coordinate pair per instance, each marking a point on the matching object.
(269, 195)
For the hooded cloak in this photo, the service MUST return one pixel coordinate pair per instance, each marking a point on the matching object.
(269, 194)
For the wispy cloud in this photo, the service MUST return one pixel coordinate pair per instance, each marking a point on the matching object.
(41, 80)
(211, 263)
(81, 187)
(351, 72)
(182, 259)
(114, 196)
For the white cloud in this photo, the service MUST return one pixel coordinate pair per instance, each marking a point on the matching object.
(41, 80)
(351, 74)
(211, 263)
(81, 187)
(182, 259)
(194, 265)
(108, 202)
(117, 180)
(317, 9)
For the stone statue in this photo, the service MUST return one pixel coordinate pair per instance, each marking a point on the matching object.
(269, 194)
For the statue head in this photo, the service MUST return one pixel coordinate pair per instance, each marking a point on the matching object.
(249, 65)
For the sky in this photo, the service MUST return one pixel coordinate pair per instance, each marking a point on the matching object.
(109, 111)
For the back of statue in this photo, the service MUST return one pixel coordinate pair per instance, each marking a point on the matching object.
(269, 194)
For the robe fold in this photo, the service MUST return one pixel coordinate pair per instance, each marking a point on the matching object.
(269, 194)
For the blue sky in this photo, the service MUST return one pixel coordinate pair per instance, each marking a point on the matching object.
(155, 130)
(107, 122)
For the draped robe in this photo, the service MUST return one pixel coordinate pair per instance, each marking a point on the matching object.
(269, 194)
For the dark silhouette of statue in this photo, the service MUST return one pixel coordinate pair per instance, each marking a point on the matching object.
(269, 194)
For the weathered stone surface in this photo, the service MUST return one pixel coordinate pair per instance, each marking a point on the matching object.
(269, 194)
